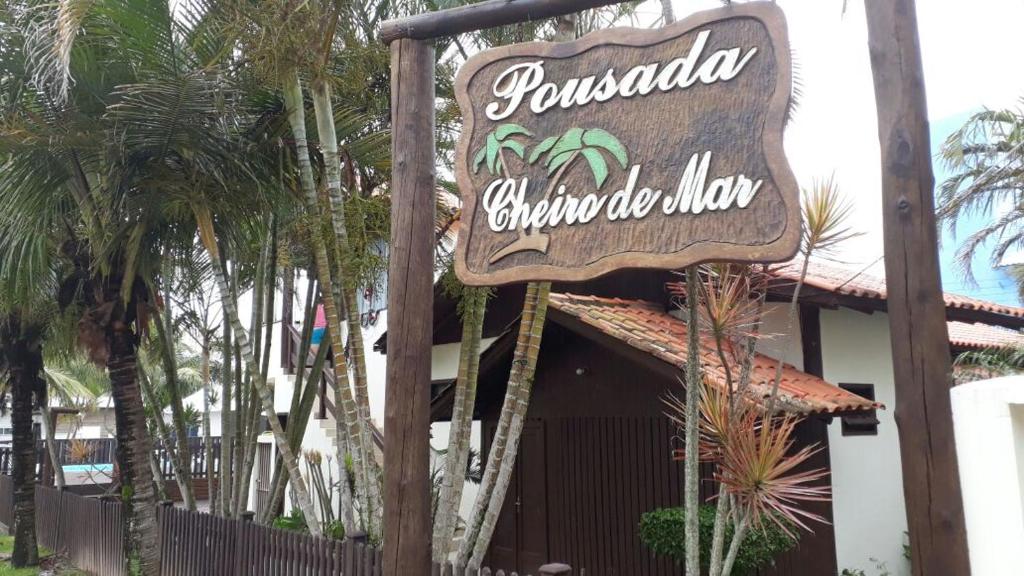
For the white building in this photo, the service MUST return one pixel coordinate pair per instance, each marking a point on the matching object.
(842, 336)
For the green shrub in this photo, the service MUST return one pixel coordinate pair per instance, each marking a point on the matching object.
(295, 522)
(334, 530)
(662, 530)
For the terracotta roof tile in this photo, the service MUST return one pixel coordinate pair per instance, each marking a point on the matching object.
(648, 328)
(967, 335)
(854, 282)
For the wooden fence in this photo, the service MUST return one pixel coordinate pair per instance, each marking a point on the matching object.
(89, 532)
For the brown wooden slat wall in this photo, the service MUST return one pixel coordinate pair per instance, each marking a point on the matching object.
(88, 531)
(604, 473)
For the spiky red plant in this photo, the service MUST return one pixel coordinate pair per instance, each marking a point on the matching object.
(755, 457)
(761, 470)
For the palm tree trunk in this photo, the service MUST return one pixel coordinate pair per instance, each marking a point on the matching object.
(455, 460)
(170, 446)
(165, 339)
(691, 468)
(522, 402)
(357, 353)
(303, 396)
(498, 443)
(501, 458)
(324, 112)
(346, 503)
(266, 395)
(344, 402)
(224, 485)
(667, 14)
(50, 429)
(207, 443)
(267, 324)
(161, 492)
(142, 549)
(248, 458)
(296, 428)
(26, 364)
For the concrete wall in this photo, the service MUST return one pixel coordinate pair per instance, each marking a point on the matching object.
(988, 419)
(869, 514)
(867, 481)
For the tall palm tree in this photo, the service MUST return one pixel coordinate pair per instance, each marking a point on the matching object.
(986, 160)
(29, 317)
(329, 47)
(473, 305)
(115, 181)
(21, 362)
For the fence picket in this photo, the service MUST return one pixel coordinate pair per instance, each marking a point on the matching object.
(89, 532)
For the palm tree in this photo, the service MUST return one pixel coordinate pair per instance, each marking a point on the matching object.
(472, 307)
(988, 363)
(116, 181)
(29, 316)
(986, 159)
(280, 42)
(194, 297)
(21, 362)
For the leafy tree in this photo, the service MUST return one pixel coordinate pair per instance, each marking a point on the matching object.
(114, 154)
(988, 363)
(986, 159)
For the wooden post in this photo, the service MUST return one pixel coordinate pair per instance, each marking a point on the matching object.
(410, 295)
(481, 15)
(917, 313)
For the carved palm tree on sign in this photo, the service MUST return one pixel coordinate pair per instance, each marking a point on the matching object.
(560, 153)
(501, 139)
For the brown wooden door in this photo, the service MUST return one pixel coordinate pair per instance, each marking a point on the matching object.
(520, 540)
(533, 505)
(263, 478)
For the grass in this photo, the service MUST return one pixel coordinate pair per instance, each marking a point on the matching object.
(45, 556)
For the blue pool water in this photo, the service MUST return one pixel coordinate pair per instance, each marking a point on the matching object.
(88, 467)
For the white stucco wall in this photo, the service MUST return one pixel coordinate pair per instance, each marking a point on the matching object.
(867, 482)
(778, 339)
(988, 419)
(445, 365)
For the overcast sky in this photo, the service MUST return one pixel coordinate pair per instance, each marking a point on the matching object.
(971, 54)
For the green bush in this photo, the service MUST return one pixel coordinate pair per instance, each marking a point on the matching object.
(334, 530)
(662, 530)
(295, 522)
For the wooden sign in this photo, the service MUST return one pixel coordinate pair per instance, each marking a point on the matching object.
(628, 149)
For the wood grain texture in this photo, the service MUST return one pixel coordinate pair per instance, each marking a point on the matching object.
(740, 121)
(481, 15)
(410, 278)
(917, 319)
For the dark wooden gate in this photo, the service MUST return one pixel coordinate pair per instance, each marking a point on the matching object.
(263, 464)
(521, 534)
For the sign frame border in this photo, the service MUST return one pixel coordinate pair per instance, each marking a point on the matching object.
(780, 249)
